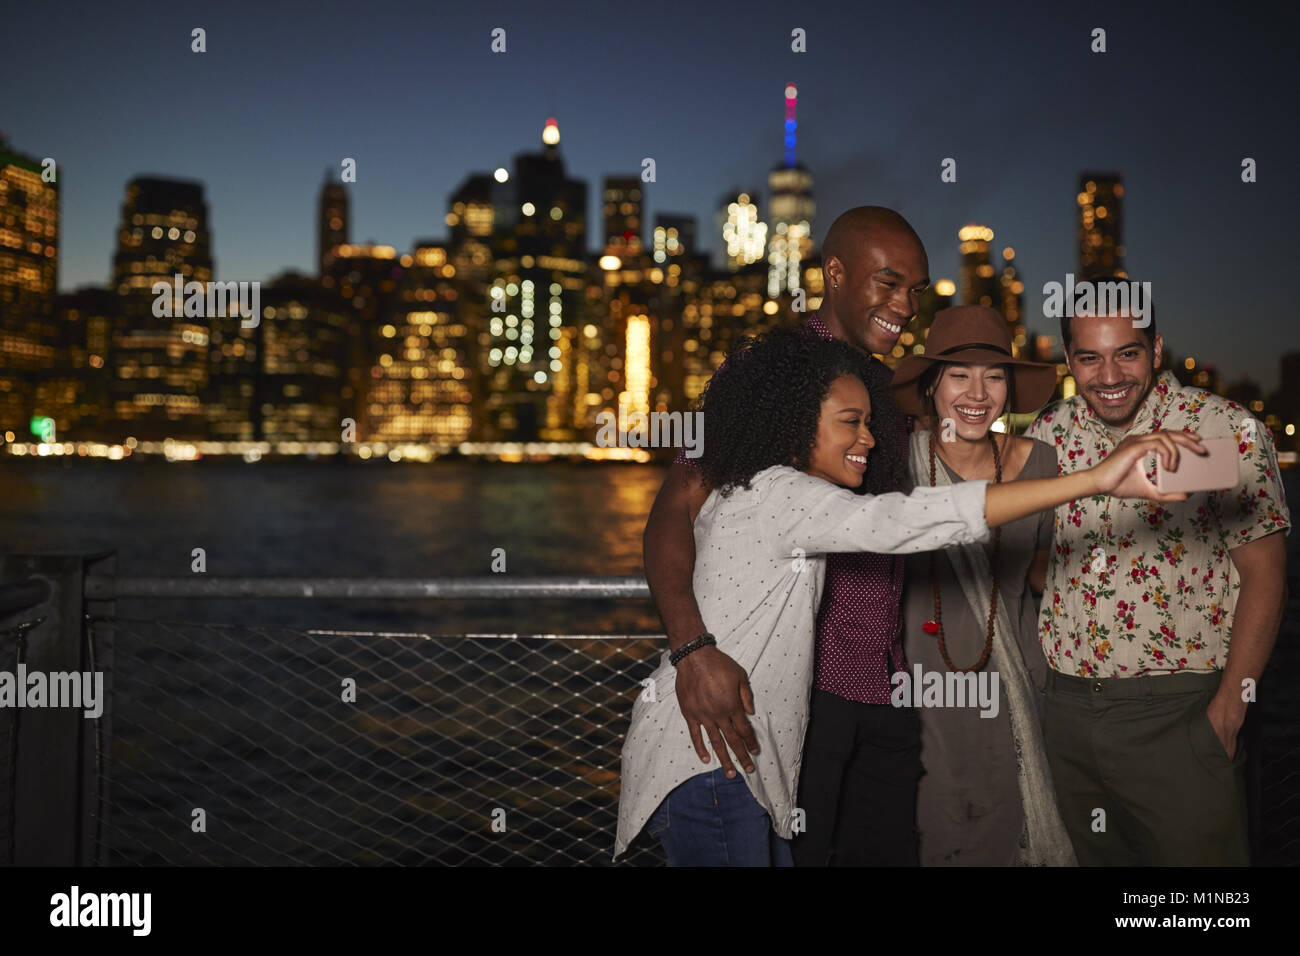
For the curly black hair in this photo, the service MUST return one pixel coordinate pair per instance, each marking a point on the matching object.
(762, 408)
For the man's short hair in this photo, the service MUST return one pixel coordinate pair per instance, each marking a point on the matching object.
(1096, 284)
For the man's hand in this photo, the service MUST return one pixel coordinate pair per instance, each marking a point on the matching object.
(1226, 716)
(713, 692)
(712, 689)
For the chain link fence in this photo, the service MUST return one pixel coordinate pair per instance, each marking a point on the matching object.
(238, 745)
(1280, 803)
(231, 744)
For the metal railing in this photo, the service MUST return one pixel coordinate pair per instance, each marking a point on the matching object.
(243, 744)
(274, 745)
(104, 587)
(238, 744)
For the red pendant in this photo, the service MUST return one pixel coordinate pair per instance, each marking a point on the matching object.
(930, 627)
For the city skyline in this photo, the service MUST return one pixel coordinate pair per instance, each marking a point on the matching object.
(273, 118)
(222, 383)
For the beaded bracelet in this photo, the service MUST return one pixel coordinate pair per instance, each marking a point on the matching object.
(704, 640)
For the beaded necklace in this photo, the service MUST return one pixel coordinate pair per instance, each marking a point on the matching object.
(935, 626)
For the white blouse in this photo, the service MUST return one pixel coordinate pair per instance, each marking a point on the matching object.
(758, 582)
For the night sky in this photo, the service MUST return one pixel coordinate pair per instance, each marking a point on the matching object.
(412, 91)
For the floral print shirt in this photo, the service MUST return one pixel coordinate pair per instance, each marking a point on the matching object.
(1140, 587)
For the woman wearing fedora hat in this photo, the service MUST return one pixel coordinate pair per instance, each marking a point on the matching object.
(986, 797)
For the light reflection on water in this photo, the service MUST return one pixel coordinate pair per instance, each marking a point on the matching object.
(305, 519)
(377, 519)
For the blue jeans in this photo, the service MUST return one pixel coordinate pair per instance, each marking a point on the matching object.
(712, 821)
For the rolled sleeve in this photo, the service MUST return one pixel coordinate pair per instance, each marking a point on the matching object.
(1257, 506)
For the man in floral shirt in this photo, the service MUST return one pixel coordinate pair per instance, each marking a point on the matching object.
(1157, 619)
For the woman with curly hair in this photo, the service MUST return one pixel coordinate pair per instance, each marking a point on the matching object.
(787, 435)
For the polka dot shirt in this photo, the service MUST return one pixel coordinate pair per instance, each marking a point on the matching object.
(760, 567)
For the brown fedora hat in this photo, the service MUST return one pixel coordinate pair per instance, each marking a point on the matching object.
(972, 335)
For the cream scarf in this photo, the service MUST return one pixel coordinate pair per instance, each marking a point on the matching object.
(1043, 840)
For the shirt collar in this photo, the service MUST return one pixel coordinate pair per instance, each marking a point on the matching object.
(817, 327)
(1150, 414)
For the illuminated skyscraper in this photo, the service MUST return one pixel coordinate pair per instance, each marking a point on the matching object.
(29, 237)
(617, 353)
(332, 224)
(621, 206)
(978, 286)
(160, 364)
(29, 263)
(1011, 287)
(1101, 225)
(791, 210)
(366, 276)
(814, 280)
(674, 236)
(86, 319)
(472, 212)
(471, 209)
(537, 296)
(422, 389)
(77, 394)
(551, 208)
(744, 235)
(725, 306)
(300, 384)
(232, 398)
(164, 230)
(631, 351)
(679, 275)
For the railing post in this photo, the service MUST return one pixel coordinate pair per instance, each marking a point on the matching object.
(54, 772)
(18, 599)
(98, 738)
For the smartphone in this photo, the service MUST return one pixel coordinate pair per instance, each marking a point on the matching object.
(1216, 471)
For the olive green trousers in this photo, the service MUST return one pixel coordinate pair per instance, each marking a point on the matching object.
(1141, 777)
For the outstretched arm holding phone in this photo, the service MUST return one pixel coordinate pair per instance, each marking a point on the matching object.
(713, 691)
